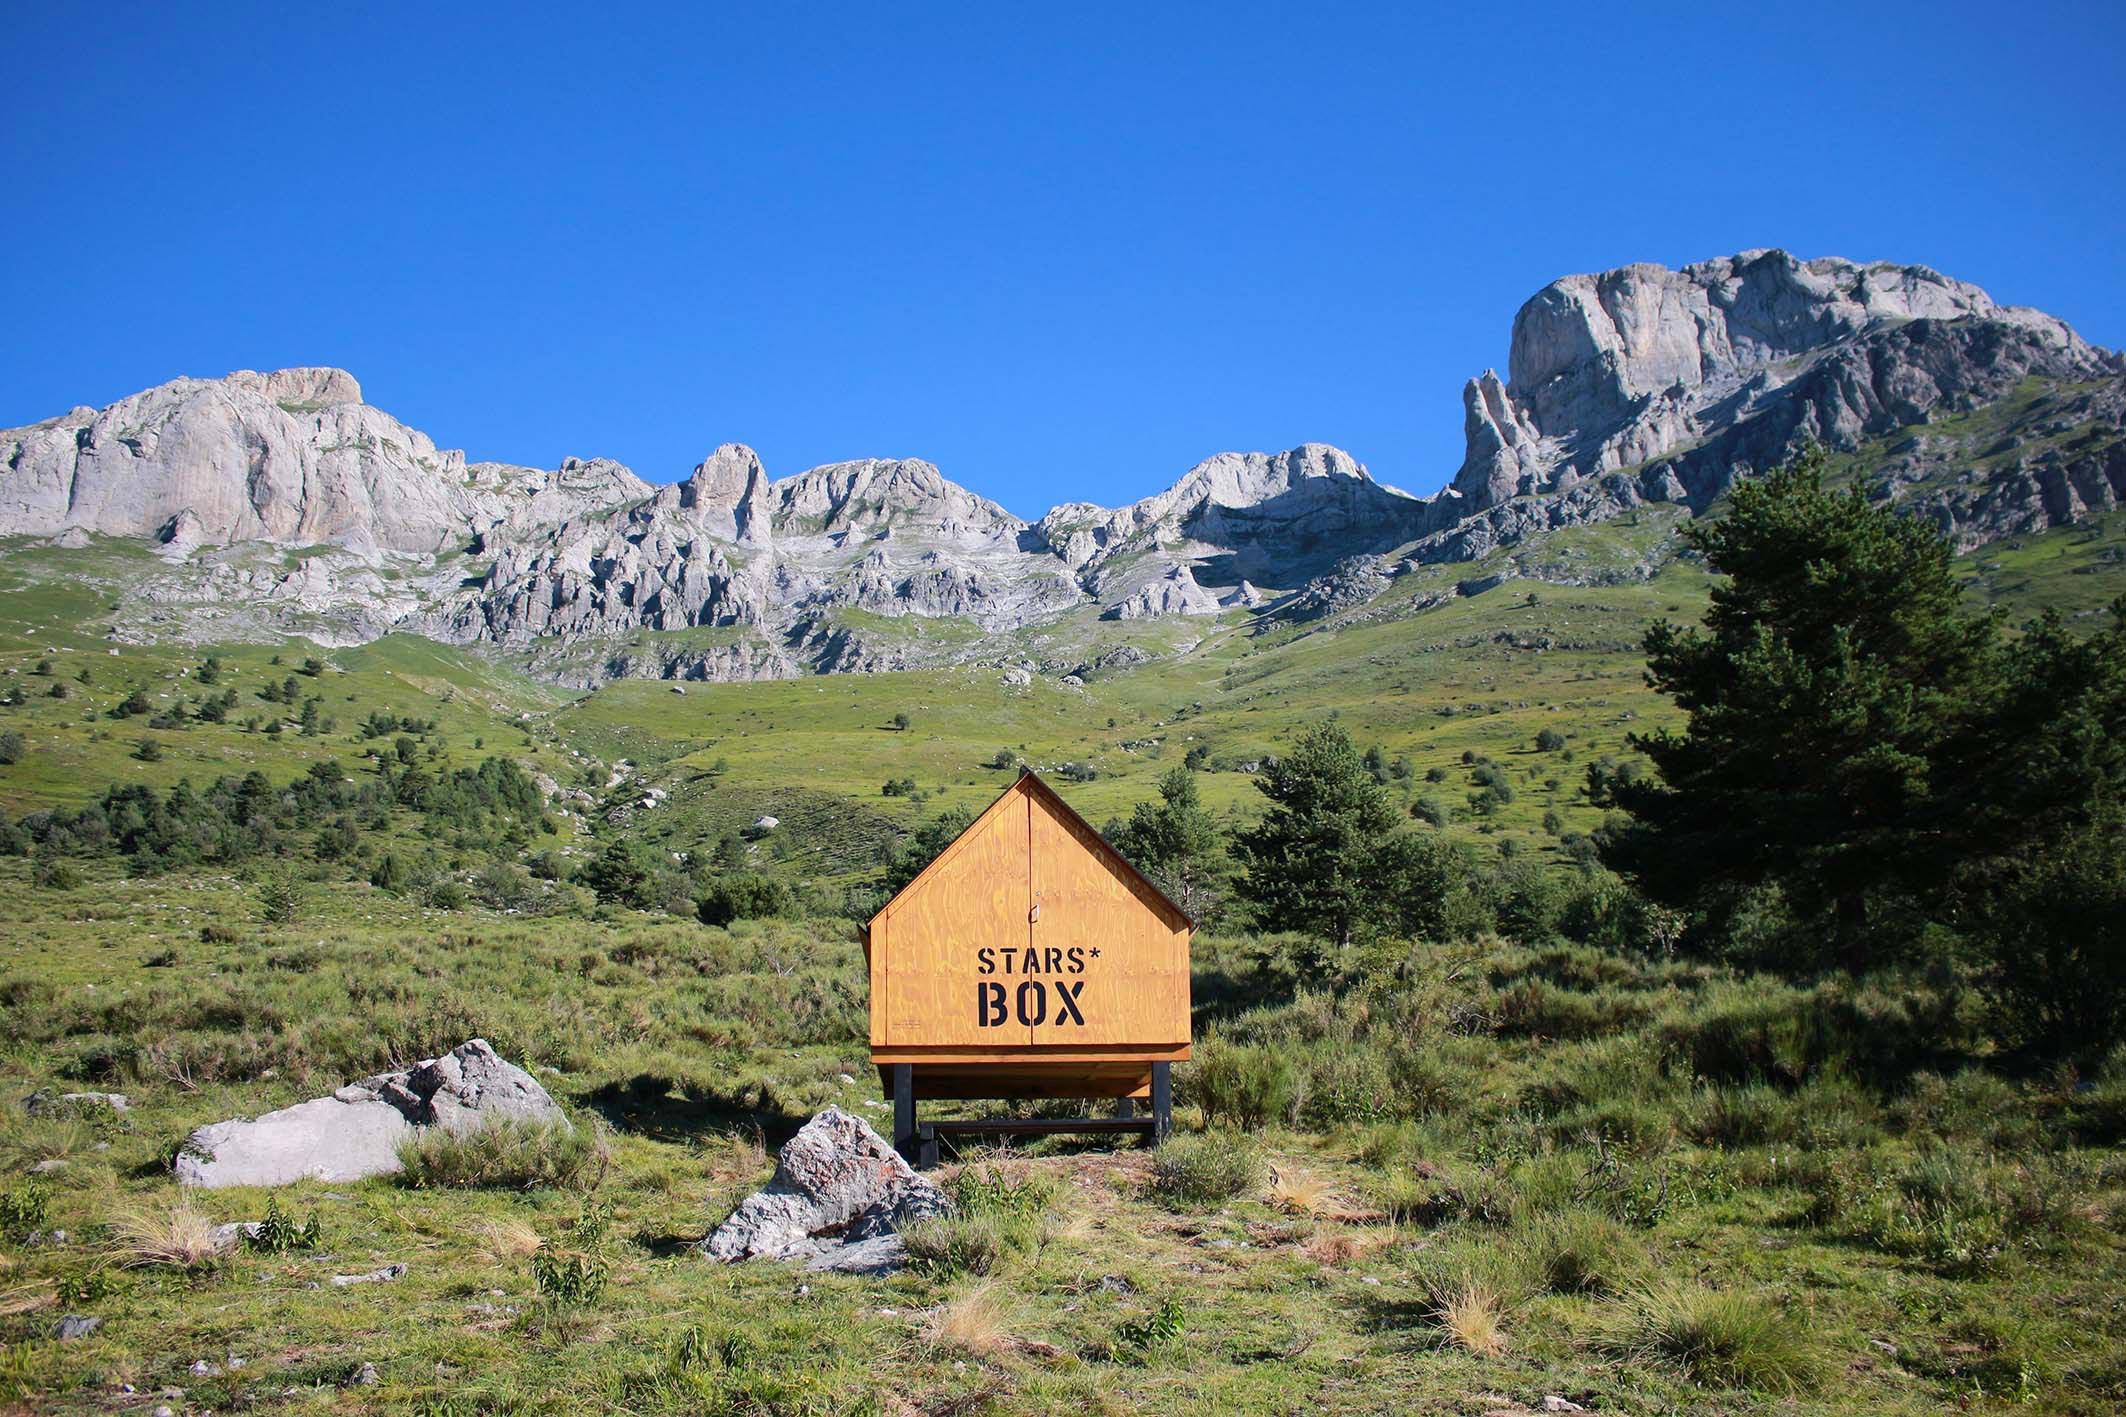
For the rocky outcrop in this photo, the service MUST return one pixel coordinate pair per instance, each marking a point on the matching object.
(1695, 377)
(357, 1131)
(293, 457)
(838, 1196)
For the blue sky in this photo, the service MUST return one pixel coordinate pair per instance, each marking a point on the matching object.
(1062, 251)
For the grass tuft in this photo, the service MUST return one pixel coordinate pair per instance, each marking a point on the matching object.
(1472, 1317)
(176, 1238)
(973, 1322)
(1717, 1337)
(512, 1156)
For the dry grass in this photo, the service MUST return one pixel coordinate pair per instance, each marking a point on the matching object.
(741, 1157)
(178, 1238)
(506, 1237)
(972, 1323)
(22, 1298)
(1298, 1193)
(1472, 1318)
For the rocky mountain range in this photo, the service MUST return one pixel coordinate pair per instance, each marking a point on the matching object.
(282, 501)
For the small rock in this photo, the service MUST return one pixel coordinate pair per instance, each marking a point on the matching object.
(374, 1276)
(46, 1104)
(1116, 1284)
(75, 1326)
(201, 1368)
(364, 1376)
(165, 1410)
(1887, 1349)
(47, 1166)
(1553, 1403)
(1369, 1279)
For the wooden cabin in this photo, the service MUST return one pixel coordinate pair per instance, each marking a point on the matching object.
(1028, 960)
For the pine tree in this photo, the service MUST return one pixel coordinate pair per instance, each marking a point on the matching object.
(1176, 844)
(1834, 671)
(1321, 860)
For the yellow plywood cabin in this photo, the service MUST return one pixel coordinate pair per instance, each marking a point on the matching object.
(1028, 960)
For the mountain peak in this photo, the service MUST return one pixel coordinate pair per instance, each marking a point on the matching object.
(306, 387)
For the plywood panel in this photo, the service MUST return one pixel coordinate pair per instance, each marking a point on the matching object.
(1104, 935)
(975, 897)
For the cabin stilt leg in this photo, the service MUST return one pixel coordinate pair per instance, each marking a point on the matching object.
(904, 1139)
(1125, 1108)
(1162, 1101)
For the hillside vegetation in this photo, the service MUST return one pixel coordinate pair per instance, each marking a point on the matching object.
(1517, 1133)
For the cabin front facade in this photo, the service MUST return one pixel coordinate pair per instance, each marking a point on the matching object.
(1028, 960)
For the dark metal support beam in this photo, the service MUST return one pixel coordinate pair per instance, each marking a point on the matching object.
(1162, 1101)
(904, 1139)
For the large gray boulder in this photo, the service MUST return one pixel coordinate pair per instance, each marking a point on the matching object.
(838, 1198)
(357, 1131)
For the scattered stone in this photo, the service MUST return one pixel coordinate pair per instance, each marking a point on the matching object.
(838, 1187)
(364, 1376)
(374, 1276)
(767, 824)
(1116, 1284)
(45, 1104)
(356, 1132)
(1553, 1403)
(75, 1326)
(201, 1368)
(47, 1166)
(1888, 1350)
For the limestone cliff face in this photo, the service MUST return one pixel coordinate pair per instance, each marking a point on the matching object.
(293, 457)
(1683, 380)
(1637, 385)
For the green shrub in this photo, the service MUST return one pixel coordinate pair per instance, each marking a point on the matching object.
(969, 1244)
(277, 1234)
(743, 895)
(443, 893)
(1720, 1338)
(1349, 1085)
(1247, 1087)
(23, 1211)
(1206, 1169)
(992, 1188)
(569, 1278)
(1156, 1329)
(280, 900)
(505, 1156)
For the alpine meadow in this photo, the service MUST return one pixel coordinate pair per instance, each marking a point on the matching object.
(1639, 929)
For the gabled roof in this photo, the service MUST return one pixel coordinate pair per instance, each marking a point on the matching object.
(1031, 785)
